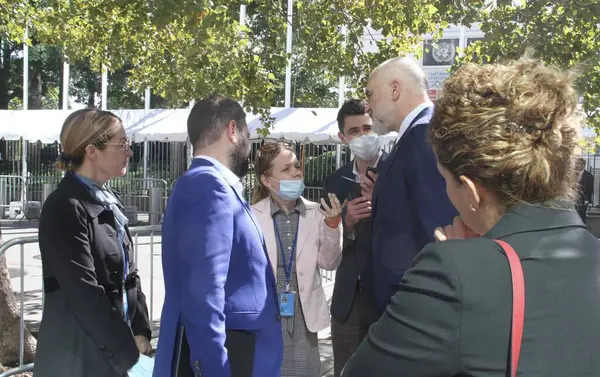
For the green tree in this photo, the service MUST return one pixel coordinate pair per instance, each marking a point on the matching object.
(561, 33)
(187, 49)
(10, 86)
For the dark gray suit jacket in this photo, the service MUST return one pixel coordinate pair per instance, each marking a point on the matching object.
(82, 331)
(452, 314)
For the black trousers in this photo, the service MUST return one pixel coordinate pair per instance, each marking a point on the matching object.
(240, 349)
(347, 335)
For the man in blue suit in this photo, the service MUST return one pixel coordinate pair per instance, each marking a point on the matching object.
(409, 195)
(221, 313)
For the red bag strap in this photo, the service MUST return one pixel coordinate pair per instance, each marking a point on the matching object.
(518, 306)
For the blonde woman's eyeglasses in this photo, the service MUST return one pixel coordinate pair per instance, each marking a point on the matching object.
(125, 146)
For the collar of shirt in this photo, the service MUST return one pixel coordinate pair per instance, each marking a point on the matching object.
(410, 117)
(355, 169)
(229, 176)
(300, 207)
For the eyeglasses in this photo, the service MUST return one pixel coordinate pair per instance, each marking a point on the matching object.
(125, 146)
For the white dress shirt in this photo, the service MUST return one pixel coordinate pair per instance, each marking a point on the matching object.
(410, 117)
(227, 174)
(355, 169)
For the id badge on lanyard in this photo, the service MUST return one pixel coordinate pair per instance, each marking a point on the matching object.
(287, 299)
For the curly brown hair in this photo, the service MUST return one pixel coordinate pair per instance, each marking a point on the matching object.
(512, 128)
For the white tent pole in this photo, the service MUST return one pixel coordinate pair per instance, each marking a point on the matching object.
(66, 79)
(147, 96)
(104, 87)
(342, 82)
(341, 99)
(146, 145)
(242, 24)
(243, 14)
(25, 108)
(288, 50)
(342, 89)
(145, 157)
(65, 85)
(26, 70)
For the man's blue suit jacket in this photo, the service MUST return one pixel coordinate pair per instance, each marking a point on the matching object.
(217, 276)
(409, 201)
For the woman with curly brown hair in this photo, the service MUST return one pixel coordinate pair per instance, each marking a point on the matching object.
(504, 137)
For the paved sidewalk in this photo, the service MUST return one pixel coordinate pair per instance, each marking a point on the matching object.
(149, 265)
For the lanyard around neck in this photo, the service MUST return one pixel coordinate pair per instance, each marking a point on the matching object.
(287, 268)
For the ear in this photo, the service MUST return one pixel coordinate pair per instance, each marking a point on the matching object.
(264, 180)
(473, 191)
(396, 86)
(342, 138)
(91, 152)
(231, 131)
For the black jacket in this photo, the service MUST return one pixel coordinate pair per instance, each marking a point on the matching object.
(585, 187)
(357, 254)
(82, 264)
(452, 313)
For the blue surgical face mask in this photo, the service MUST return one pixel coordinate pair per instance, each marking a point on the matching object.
(290, 189)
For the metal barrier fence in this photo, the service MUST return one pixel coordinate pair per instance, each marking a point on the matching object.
(138, 233)
(154, 159)
(20, 200)
(152, 171)
(142, 196)
(142, 236)
(12, 194)
(5, 246)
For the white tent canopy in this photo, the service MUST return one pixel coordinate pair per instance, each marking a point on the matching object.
(317, 125)
(304, 125)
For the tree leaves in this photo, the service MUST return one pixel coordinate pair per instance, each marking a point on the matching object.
(186, 49)
(564, 34)
(14, 15)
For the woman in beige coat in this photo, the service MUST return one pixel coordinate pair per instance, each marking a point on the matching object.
(296, 230)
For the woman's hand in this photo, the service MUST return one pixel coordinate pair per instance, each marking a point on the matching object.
(333, 214)
(143, 345)
(458, 230)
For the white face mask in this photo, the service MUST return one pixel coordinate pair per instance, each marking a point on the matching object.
(366, 147)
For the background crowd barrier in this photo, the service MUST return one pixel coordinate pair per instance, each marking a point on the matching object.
(144, 199)
(142, 236)
(147, 243)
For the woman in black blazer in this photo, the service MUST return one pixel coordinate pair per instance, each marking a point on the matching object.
(95, 319)
(504, 136)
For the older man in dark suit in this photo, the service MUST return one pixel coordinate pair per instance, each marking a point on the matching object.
(409, 197)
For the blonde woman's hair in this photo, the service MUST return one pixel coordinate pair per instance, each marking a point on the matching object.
(512, 128)
(82, 128)
(263, 165)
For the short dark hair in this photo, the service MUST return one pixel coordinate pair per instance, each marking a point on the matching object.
(349, 108)
(209, 118)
